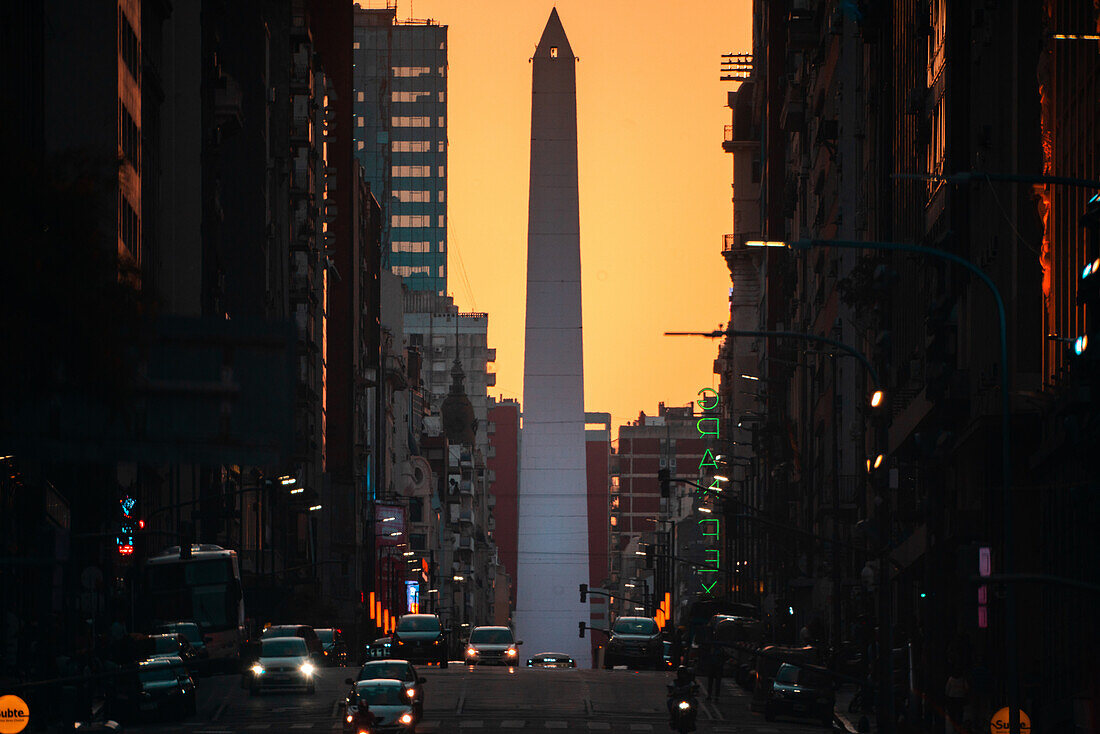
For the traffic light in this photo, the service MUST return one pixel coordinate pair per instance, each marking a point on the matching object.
(580, 626)
(665, 479)
(584, 593)
(649, 555)
(128, 526)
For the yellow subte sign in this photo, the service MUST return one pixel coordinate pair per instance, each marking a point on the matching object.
(999, 723)
(15, 714)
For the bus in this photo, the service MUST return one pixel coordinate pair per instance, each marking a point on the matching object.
(203, 586)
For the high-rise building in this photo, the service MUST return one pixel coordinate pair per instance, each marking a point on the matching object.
(553, 509)
(503, 464)
(400, 112)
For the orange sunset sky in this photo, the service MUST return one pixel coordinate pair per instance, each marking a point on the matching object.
(654, 183)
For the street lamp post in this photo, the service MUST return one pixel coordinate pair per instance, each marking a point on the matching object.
(1006, 463)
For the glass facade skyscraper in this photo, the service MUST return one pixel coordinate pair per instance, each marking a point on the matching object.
(401, 139)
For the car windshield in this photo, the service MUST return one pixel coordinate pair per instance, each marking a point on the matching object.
(165, 643)
(157, 672)
(326, 636)
(383, 669)
(418, 624)
(491, 635)
(283, 648)
(378, 695)
(787, 675)
(635, 626)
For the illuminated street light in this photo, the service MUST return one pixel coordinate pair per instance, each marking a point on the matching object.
(288, 480)
(704, 509)
(298, 491)
(388, 519)
(394, 535)
(314, 508)
(765, 243)
(458, 578)
(720, 478)
(751, 377)
(876, 398)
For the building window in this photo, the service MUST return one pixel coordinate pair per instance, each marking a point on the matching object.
(412, 121)
(411, 146)
(416, 509)
(442, 222)
(406, 271)
(412, 196)
(359, 145)
(441, 195)
(359, 97)
(355, 45)
(442, 123)
(401, 246)
(408, 96)
(359, 121)
(553, 52)
(410, 71)
(441, 171)
(410, 220)
(411, 171)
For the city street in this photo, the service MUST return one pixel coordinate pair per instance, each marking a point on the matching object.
(491, 698)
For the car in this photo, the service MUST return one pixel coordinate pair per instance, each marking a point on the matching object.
(191, 631)
(388, 706)
(801, 693)
(494, 645)
(419, 638)
(551, 660)
(333, 647)
(401, 670)
(307, 633)
(765, 668)
(174, 645)
(158, 686)
(635, 642)
(379, 649)
(284, 662)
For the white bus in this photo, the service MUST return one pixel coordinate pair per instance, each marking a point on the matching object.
(204, 588)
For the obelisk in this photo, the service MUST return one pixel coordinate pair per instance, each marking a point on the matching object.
(553, 496)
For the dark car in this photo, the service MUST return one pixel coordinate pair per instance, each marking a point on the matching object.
(191, 631)
(801, 693)
(388, 706)
(379, 649)
(635, 642)
(401, 670)
(419, 638)
(492, 645)
(551, 660)
(159, 686)
(333, 646)
(766, 668)
(307, 633)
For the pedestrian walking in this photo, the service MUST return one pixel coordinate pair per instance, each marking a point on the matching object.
(956, 692)
(714, 662)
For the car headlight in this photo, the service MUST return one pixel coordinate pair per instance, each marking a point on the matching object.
(307, 668)
(258, 669)
(510, 652)
(410, 693)
(406, 718)
(471, 652)
(350, 718)
(684, 705)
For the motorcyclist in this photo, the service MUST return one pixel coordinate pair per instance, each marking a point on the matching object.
(682, 688)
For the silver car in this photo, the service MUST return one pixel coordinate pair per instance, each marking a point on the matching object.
(284, 662)
(492, 645)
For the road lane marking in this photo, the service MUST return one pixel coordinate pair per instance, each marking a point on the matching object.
(218, 713)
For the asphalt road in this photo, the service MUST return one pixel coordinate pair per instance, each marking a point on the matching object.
(462, 699)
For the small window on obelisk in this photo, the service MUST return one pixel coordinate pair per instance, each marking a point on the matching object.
(553, 52)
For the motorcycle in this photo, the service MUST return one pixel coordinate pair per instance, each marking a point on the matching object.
(683, 705)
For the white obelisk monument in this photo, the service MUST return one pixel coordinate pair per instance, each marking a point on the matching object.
(553, 494)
